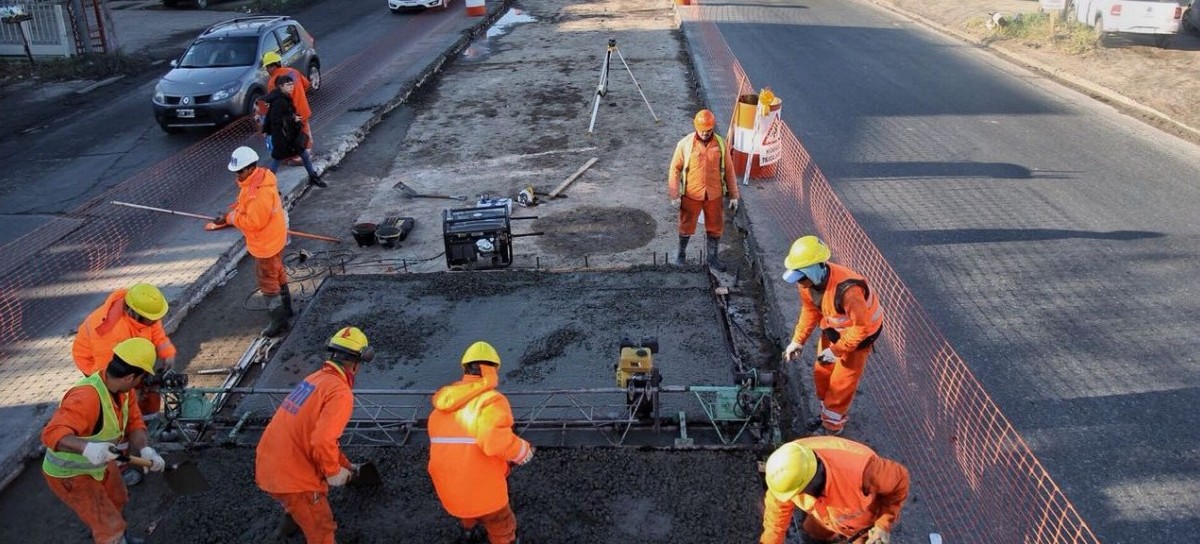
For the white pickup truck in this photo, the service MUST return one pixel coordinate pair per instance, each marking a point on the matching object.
(1160, 18)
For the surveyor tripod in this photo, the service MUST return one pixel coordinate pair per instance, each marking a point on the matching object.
(602, 88)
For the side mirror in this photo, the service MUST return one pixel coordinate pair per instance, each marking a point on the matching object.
(174, 63)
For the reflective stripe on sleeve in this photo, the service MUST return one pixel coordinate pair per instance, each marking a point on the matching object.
(451, 440)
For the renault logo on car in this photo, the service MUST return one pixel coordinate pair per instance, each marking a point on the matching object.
(186, 100)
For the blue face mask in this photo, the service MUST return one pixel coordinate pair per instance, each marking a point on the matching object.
(817, 273)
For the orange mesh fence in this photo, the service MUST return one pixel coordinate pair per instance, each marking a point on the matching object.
(980, 480)
(46, 274)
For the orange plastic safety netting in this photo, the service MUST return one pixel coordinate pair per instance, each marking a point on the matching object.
(980, 480)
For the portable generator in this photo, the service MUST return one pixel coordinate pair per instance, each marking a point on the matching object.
(636, 373)
(477, 237)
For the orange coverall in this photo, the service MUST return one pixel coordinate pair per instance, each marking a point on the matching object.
(835, 384)
(259, 214)
(108, 326)
(299, 450)
(471, 446)
(705, 189)
(97, 503)
(883, 485)
(299, 96)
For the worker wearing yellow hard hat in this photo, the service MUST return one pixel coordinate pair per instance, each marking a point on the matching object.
(699, 179)
(845, 488)
(96, 414)
(842, 304)
(135, 312)
(472, 444)
(298, 457)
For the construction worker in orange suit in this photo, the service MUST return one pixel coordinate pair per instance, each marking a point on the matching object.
(698, 181)
(259, 214)
(273, 63)
(841, 302)
(471, 447)
(845, 489)
(298, 458)
(96, 414)
(127, 313)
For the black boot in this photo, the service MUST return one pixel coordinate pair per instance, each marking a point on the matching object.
(279, 318)
(285, 295)
(286, 527)
(681, 257)
(713, 261)
(315, 179)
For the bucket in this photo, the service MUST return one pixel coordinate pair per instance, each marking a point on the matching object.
(388, 236)
(476, 8)
(364, 234)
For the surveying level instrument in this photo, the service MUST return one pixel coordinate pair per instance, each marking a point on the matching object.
(602, 88)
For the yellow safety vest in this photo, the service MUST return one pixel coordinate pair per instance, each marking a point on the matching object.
(64, 464)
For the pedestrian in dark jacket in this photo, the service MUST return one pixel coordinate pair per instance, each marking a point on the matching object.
(284, 129)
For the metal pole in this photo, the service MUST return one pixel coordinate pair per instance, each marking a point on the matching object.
(210, 218)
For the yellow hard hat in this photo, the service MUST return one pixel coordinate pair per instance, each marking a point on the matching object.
(147, 301)
(138, 353)
(271, 57)
(806, 251)
(352, 341)
(704, 120)
(481, 352)
(789, 470)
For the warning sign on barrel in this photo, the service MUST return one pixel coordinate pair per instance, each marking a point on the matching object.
(770, 149)
(756, 139)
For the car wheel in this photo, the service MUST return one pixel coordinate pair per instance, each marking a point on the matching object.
(1187, 21)
(253, 97)
(201, 4)
(314, 76)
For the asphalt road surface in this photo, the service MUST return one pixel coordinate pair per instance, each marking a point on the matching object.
(92, 142)
(1051, 238)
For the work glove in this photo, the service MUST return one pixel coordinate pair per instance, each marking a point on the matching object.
(878, 536)
(827, 357)
(157, 464)
(733, 205)
(528, 456)
(792, 349)
(339, 479)
(675, 202)
(99, 453)
(219, 219)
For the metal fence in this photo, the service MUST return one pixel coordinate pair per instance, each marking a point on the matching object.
(49, 31)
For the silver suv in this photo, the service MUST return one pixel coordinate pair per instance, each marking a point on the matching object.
(221, 75)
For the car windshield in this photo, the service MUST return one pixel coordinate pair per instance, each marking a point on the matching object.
(221, 53)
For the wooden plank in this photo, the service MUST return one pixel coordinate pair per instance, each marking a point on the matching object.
(562, 186)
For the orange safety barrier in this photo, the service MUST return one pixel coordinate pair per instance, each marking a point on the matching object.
(980, 481)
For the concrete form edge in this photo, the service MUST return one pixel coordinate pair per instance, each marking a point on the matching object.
(1091, 88)
(229, 259)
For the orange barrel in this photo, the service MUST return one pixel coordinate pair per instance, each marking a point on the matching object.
(756, 136)
(475, 8)
(682, 2)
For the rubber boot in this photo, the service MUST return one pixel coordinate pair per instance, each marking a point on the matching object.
(279, 318)
(681, 257)
(285, 295)
(286, 527)
(714, 262)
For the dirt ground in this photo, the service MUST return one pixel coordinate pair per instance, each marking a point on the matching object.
(1163, 78)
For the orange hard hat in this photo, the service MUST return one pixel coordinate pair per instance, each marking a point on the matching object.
(704, 120)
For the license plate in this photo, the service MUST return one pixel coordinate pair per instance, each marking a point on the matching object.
(185, 114)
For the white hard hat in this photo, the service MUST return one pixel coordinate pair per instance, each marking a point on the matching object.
(241, 158)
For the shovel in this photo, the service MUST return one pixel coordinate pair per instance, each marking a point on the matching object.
(409, 192)
(183, 477)
(367, 475)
